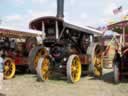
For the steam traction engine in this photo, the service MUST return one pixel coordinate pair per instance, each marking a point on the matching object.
(17, 46)
(120, 62)
(65, 47)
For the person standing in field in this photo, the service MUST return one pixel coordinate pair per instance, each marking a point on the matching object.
(12, 45)
(6, 43)
(1, 68)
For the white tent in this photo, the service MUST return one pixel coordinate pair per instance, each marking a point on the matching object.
(111, 33)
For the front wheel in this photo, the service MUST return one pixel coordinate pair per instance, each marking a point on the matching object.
(34, 56)
(73, 68)
(43, 68)
(9, 68)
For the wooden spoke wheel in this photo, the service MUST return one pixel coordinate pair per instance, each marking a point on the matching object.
(97, 66)
(73, 69)
(42, 69)
(96, 61)
(34, 56)
(9, 68)
(40, 53)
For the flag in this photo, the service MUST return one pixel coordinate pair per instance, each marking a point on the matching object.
(117, 10)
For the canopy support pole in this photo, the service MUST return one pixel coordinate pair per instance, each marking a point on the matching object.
(123, 36)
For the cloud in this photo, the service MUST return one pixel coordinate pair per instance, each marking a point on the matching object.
(13, 17)
(15, 21)
(124, 13)
(19, 1)
(39, 1)
(109, 9)
(83, 16)
(79, 20)
(83, 12)
(36, 14)
(71, 2)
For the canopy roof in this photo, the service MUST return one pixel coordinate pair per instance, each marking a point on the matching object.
(118, 27)
(38, 22)
(85, 29)
(16, 33)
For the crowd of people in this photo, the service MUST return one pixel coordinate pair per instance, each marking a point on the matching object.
(7, 44)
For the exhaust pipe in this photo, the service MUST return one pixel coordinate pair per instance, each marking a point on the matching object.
(60, 9)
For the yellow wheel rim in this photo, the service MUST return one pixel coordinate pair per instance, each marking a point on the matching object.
(9, 69)
(98, 66)
(45, 68)
(76, 69)
(38, 55)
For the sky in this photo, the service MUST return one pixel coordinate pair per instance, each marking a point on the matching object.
(95, 13)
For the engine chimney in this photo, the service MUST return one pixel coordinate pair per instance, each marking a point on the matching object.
(60, 9)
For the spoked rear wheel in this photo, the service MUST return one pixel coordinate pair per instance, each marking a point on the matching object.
(94, 53)
(97, 61)
(43, 68)
(97, 66)
(73, 69)
(9, 68)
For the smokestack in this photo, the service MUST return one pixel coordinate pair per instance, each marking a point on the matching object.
(60, 9)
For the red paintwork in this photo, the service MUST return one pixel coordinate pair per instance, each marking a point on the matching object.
(84, 59)
(18, 58)
(21, 61)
